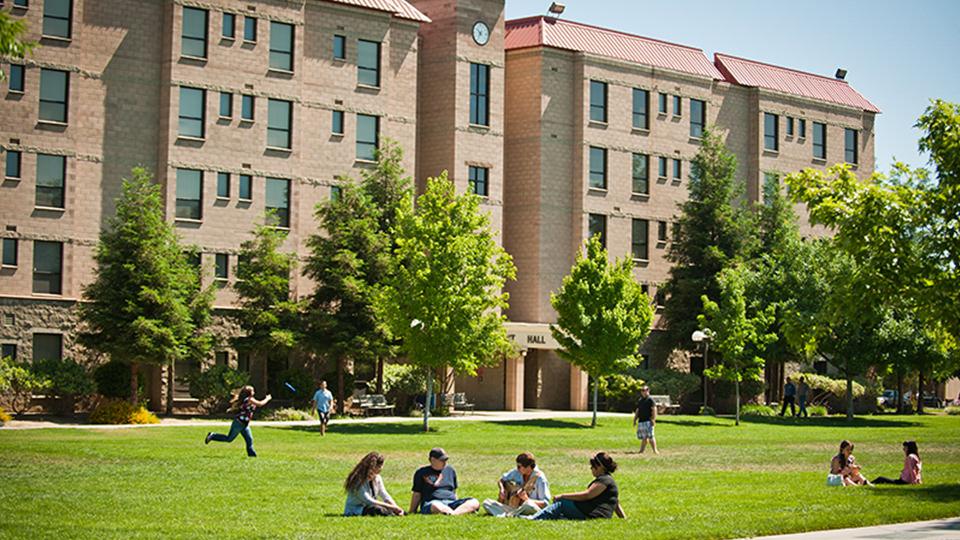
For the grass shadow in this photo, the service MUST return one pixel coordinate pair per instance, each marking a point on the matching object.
(690, 423)
(829, 421)
(927, 492)
(542, 423)
(361, 429)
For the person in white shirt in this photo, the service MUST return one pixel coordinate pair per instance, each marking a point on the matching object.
(366, 494)
(323, 403)
(523, 491)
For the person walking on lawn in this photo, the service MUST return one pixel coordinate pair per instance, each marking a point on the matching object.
(241, 423)
(789, 396)
(645, 419)
(322, 402)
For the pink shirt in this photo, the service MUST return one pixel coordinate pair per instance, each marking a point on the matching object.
(911, 470)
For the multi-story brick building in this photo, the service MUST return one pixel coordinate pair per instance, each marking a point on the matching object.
(240, 107)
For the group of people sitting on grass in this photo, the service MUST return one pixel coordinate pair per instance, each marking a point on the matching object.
(523, 492)
(844, 470)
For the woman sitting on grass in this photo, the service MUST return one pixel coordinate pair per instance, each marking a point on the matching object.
(911, 467)
(844, 470)
(601, 499)
(366, 494)
(241, 424)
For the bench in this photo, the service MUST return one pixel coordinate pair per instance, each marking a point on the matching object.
(664, 405)
(377, 404)
(460, 402)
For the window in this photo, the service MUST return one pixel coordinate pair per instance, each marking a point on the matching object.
(677, 170)
(192, 105)
(278, 201)
(246, 188)
(662, 232)
(57, 15)
(189, 194)
(54, 86)
(660, 297)
(279, 120)
(281, 46)
(226, 105)
(8, 350)
(335, 193)
(789, 126)
(21, 3)
(47, 267)
(662, 167)
(222, 358)
(850, 146)
(662, 105)
(16, 78)
(368, 137)
(12, 169)
(480, 94)
(223, 185)
(597, 225)
(337, 125)
(771, 127)
(229, 25)
(246, 108)
(676, 231)
(368, 62)
(598, 102)
(193, 259)
(243, 361)
(677, 106)
(598, 167)
(47, 347)
(639, 243)
(9, 252)
(221, 269)
(477, 179)
(771, 187)
(698, 117)
(250, 29)
(802, 131)
(339, 47)
(51, 180)
(641, 174)
(193, 41)
(641, 101)
(819, 140)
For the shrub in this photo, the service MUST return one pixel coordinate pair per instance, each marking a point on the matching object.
(287, 414)
(214, 387)
(817, 410)
(620, 391)
(707, 410)
(113, 381)
(4, 417)
(823, 387)
(300, 379)
(67, 378)
(20, 383)
(402, 384)
(676, 384)
(115, 411)
(751, 409)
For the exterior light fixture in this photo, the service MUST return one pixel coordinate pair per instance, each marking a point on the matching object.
(841, 74)
(556, 8)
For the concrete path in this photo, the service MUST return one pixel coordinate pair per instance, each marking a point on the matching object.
(938, 529)
(478, 416)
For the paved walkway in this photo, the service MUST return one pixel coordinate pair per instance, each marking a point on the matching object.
(487, 416)
(938, 529)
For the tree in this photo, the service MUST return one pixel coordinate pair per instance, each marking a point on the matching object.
(268, 313)
(444, 294)
(740, 337)
(145, 305)
(11, 39)
(713, 233)
(603, 316)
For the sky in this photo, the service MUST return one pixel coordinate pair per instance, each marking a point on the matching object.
(898, 54)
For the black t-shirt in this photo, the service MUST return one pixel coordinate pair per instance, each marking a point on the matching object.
(645, 409)
(603, 505)
(432, 484)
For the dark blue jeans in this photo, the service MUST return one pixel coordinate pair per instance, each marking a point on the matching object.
(803, 406)
(237, 428)
(564, 509)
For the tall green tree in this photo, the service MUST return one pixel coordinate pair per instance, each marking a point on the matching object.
(740, 337)
(603, 316)
(146, 304)
(714, 232)
(268, 313)
(11, 39)
(444, 294)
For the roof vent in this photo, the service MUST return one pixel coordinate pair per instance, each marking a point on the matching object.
(841, 74)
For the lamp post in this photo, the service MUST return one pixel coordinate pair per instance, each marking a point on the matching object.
(417, 323)
(705, 336)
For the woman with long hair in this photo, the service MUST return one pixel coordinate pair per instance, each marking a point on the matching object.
(911, 467)
(366, 494)
(245, 404)
(844, 470)
(601, 499)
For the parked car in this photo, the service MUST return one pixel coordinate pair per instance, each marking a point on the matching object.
(888, 399)
(931, 400)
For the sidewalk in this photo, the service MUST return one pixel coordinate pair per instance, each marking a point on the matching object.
(477, 416)
(938, 529)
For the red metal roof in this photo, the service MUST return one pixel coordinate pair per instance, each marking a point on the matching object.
(757, 74)
(399, 8)
(543, 31)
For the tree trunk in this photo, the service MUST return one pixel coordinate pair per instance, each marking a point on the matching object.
(379, 375)
(596, 384)
(899, 392)
(426, 401)
(171, 375)
(133, 382)
(849, 396)
(340, 367)
(736, 387)
(920, 392)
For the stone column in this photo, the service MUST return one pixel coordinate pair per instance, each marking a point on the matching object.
(579, 389)
(513, 382)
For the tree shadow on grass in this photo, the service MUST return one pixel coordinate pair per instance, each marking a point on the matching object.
(542, 423)
(829, 421)
(690, 423)
(361, 429)
(926, 492)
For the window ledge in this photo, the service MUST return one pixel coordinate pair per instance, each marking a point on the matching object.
(9, 266)
(676, 180)
(365, 161)
(242, 200)
(55, 123)
(57, 38)
(661, 115)
(248, 42)
(46, 295)
(279, 228)
(189, 138)
(16, 92)
(12, 178)
(228, 38)
(677, 116)
(336, 60)
(662, 178)
(223, 198)
(640, 131)
(853, 166)
(801, 139)
(695, 140)
(361, 86)
(788, 138)
(598, 124)
(337, 135)
(193, 58)
(479, 127)
(247, 120)
(594, 189)
(278, 71)
(187, 220)
(820, 161)
(661, 244)
(768, 152)
(638, 262)
(50, 208)
(221, 117)
(280, 149)
(641, 196)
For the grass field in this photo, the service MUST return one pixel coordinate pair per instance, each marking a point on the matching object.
(712, 479)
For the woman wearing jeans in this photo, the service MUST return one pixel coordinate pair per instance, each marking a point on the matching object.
(241, 424)
(601, 499)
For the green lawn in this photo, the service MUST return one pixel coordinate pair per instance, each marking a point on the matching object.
(712, 479)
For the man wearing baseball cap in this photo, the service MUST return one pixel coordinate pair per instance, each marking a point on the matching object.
(435, 488)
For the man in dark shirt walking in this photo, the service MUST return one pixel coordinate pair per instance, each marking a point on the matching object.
(645, 418)
(789, 397)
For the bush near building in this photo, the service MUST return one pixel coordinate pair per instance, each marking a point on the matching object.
(115, 411)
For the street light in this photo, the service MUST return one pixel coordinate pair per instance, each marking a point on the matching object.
(705, 336)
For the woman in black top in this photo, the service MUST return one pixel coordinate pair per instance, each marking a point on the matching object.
(246, 404)
(601, 499)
